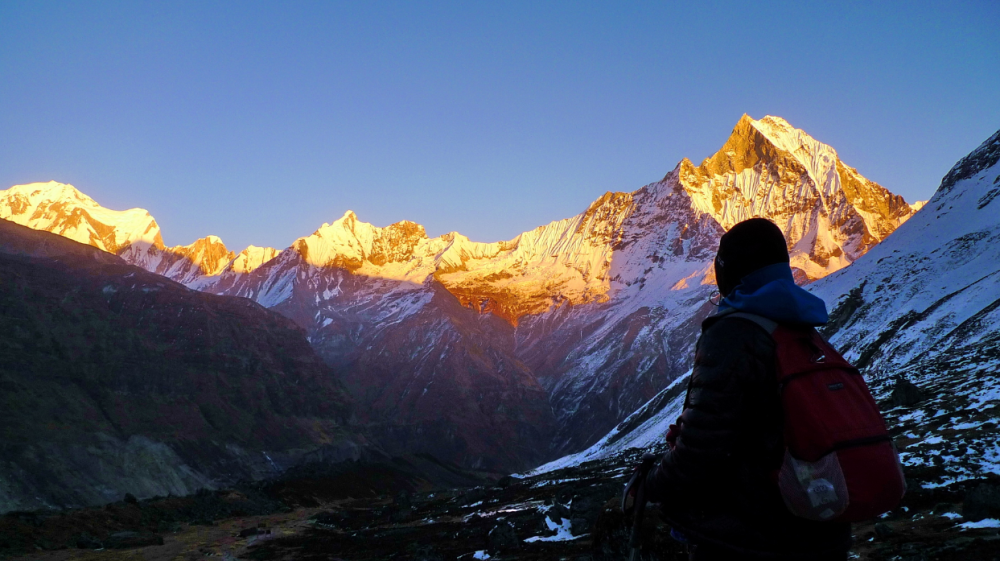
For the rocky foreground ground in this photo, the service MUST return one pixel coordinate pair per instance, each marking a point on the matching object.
(567, 514)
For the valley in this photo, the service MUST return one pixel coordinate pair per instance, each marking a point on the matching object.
(472, 400)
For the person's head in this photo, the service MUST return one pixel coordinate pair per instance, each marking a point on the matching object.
(746, 247)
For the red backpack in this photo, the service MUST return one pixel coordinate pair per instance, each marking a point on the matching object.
(840, 462)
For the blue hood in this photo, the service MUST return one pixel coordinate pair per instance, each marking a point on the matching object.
(771, 292)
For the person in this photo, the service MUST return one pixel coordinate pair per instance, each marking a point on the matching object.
(716, 483)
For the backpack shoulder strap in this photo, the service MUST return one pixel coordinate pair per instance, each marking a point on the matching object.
(766, 324)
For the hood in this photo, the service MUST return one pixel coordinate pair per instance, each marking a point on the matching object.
(771, 292)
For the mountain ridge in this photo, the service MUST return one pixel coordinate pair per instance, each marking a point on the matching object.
(788, 151)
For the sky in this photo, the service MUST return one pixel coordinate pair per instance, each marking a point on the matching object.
(260, 121)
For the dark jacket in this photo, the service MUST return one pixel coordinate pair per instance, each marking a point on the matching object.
(716, 485)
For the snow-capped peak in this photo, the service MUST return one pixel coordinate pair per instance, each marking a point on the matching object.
(830, 214)
(349, 243)
(209, 254)
(52, 191)
(603, 306)
(62, 209)
(251, 258)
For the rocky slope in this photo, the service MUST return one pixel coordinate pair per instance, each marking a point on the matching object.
(574, 513)
(593, 313)
(115, 380)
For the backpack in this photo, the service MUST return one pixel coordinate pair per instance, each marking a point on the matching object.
(840, 462)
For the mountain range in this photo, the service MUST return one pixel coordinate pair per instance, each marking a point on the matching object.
(504, 355)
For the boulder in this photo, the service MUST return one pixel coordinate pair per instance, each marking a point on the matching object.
(587, 507)
(558, 512)
(982, 502)
(86, 541)
(906, 394)
(247, 532)
(127, 540)
(503, 538)
(941, 508)
(883, 530)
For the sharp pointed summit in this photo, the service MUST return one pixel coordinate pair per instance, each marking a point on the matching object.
(830, 214)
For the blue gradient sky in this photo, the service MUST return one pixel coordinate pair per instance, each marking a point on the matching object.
(258, 122)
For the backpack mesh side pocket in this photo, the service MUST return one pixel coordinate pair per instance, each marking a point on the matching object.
(813, 490)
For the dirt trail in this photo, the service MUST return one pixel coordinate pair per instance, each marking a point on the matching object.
(193, 542)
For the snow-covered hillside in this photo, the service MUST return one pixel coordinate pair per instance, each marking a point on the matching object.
(926, 290)
(924, 306)
(595, 312)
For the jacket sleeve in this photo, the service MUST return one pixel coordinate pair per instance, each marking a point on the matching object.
(733, 361)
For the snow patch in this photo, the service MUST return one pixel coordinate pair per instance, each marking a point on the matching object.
(987, 523)
(562, 529)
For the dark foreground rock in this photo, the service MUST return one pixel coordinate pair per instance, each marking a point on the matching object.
(503, 538)
(128, 540)
(982, 502)
(547, 517)
(906, 394)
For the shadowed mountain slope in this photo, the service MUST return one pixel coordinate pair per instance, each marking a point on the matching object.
(428, 375)
(118, 380)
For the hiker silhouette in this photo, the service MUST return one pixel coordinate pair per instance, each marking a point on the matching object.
(717, 482)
